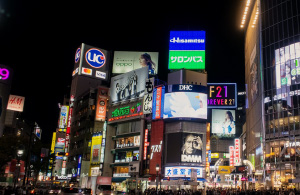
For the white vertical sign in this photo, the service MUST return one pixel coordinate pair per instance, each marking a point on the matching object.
(236, 152)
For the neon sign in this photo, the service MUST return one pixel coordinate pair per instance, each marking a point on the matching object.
(126, 112)
(221, 95)
(4, 74)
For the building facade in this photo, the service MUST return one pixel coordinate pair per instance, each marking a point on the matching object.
(272, 51)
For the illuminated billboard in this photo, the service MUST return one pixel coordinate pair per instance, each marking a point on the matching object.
(182, 171)
(158, 102)
(187, 50)
(130, 85)
(91, 62)
(185, 105)
(15, 103)
(185, 148)
(95, 149)
(126, 61)
(63, 117)
(101, 104)
(221, 95)
(223, 122)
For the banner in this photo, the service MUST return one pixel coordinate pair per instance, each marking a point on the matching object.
(101, 104)
(15, 103)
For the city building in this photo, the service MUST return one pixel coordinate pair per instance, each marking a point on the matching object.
(272, 51)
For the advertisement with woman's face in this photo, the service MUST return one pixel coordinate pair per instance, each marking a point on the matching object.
(223, 122)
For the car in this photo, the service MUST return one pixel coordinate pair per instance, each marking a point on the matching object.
(75, 191)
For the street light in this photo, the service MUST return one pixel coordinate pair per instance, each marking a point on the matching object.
(157, 170)
(20, 153)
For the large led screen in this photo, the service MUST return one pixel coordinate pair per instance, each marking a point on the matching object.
(187, 50)
(126, 61)
(185, 148)
(185, 105)
(223, 122)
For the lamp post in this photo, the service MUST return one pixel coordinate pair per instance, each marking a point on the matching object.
(20, 153)
(157, 170)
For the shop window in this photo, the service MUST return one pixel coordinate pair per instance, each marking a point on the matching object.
(120, 171)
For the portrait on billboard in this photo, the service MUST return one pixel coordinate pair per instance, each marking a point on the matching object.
(223, 122)
(192, 147)
(185, 105)
(126, 61)
(128, 86)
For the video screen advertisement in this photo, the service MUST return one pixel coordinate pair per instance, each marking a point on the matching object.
(223, 123)
(187, 50)
(221, 95)
(188, 151)
(126, 61)
(92, 62)
(185, 101)
(128, 86)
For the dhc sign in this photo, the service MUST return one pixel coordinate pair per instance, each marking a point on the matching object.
(186, 87)
(95, 58)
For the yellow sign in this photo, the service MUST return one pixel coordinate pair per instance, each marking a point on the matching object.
(214, 155)
(95, 149)
(53, 142)
(225, 169)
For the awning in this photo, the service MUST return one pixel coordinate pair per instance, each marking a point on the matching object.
(118, 179)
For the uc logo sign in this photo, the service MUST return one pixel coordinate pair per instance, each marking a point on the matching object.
(77, 55)
(95, 58)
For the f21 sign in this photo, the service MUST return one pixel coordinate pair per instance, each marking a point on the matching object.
(221, 95)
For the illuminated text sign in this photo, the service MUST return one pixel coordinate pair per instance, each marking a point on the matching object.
(187, 50)
(182, 171)
(126, 112)
(221, 95)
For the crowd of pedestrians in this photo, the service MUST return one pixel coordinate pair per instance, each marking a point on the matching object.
(220, 191)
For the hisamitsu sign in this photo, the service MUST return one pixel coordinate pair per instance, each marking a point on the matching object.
(187, 50)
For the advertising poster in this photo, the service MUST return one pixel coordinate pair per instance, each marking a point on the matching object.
(15, 103)
(101, 104)
(126, 61)
(192, 146)
(63, 117)
(129, 85)
(185, 105)
(223, 122)
(187, 50)
(95, 149)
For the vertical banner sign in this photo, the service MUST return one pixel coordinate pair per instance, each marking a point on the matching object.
(231, 153)
(147, 108)
(158, 102)
(101, 104)
(146, 144)
(156, 144)
(207, 167)
(236, 152)
(63, 117)
(53, 142)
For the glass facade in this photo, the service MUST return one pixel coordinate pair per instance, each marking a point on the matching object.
(280, 46)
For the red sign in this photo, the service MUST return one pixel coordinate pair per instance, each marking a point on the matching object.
(157, 134)
(236, 151)
(103, 180)
(146, 144)
(231, 153)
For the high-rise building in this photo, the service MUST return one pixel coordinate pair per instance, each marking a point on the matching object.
(272, 53)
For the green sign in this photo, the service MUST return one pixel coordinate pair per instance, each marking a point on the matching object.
(127, 111)
(186, 59)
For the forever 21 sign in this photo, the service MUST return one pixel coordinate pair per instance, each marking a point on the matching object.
(221, 95)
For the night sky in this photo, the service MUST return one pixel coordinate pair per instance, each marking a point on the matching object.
(38, 39)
